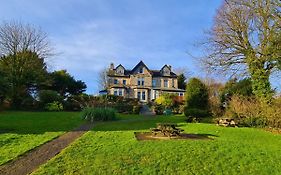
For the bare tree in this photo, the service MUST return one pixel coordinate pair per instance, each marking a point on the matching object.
(16, 37)
(102, 79)
(244, 40)
(183, 70)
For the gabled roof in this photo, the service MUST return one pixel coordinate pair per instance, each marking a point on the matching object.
(141, 63)
(154, 73)
(120, 65)
(165, 66)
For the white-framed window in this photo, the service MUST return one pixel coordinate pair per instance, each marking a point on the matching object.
(141, 82)
(153, 83)
(115, 81)
(139, 95)
(115, 92)
(143, 95)
(165, 83)
(124, 82)
(120, 92)
(181, 94)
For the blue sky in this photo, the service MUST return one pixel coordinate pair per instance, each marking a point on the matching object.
(88, 35)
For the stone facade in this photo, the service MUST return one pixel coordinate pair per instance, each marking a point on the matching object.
(141, 82)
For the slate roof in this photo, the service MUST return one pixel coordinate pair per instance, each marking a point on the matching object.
(154, 73)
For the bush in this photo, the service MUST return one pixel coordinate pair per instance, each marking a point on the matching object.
(48, 96)
(136, 109)
(54, 106)
(215, 107)
(234, 87)
(159, 109)
(178, 109)
(29, 103)
(196, 94)
(251, 113)
(98, 114)
(194, 112)
(165, 100)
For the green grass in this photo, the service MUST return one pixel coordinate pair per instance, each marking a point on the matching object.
(23, 131)
(111, 148)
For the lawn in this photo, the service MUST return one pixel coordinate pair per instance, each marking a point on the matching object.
(23, 131)
(111, 148)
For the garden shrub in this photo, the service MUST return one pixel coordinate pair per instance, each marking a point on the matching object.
(273, 113)
(159, 109)
(48, 96)
(120, 104)
(178, 109)
(29, 103)
(76, 102)
(136, 109)
(165, 100)
(252, 113)
(54, 106)
(98, 114)
(196, 99)
(196, 94)
(216, 108)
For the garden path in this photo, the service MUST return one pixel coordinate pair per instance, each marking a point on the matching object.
(145, 110)
(31, 160)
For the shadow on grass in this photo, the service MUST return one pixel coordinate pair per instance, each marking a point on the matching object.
(184, 136)
(39, 123)
(145, 124)
(19, 122)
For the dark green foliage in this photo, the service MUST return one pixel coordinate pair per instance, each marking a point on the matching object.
(233, 87)
(24, 73)
(48, 96)
(196, 94)
(3, 87)
(159, 109)
(136, 109)
(181, 81)
(252, 122)
(260, 81)
(65, 84)
(29, 103)
(121, 104)
(98, 114)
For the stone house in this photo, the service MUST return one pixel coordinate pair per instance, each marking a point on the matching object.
(141, 82)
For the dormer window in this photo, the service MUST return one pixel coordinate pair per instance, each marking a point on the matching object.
(120, 70)
(166, 71)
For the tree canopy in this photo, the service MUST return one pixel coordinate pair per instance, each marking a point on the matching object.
(181, 81)
(196, 94)
(65, 84)
(245, 39)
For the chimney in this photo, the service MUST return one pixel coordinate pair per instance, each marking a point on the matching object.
(111, 67)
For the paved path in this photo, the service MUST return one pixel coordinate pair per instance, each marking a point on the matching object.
(30, 161)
